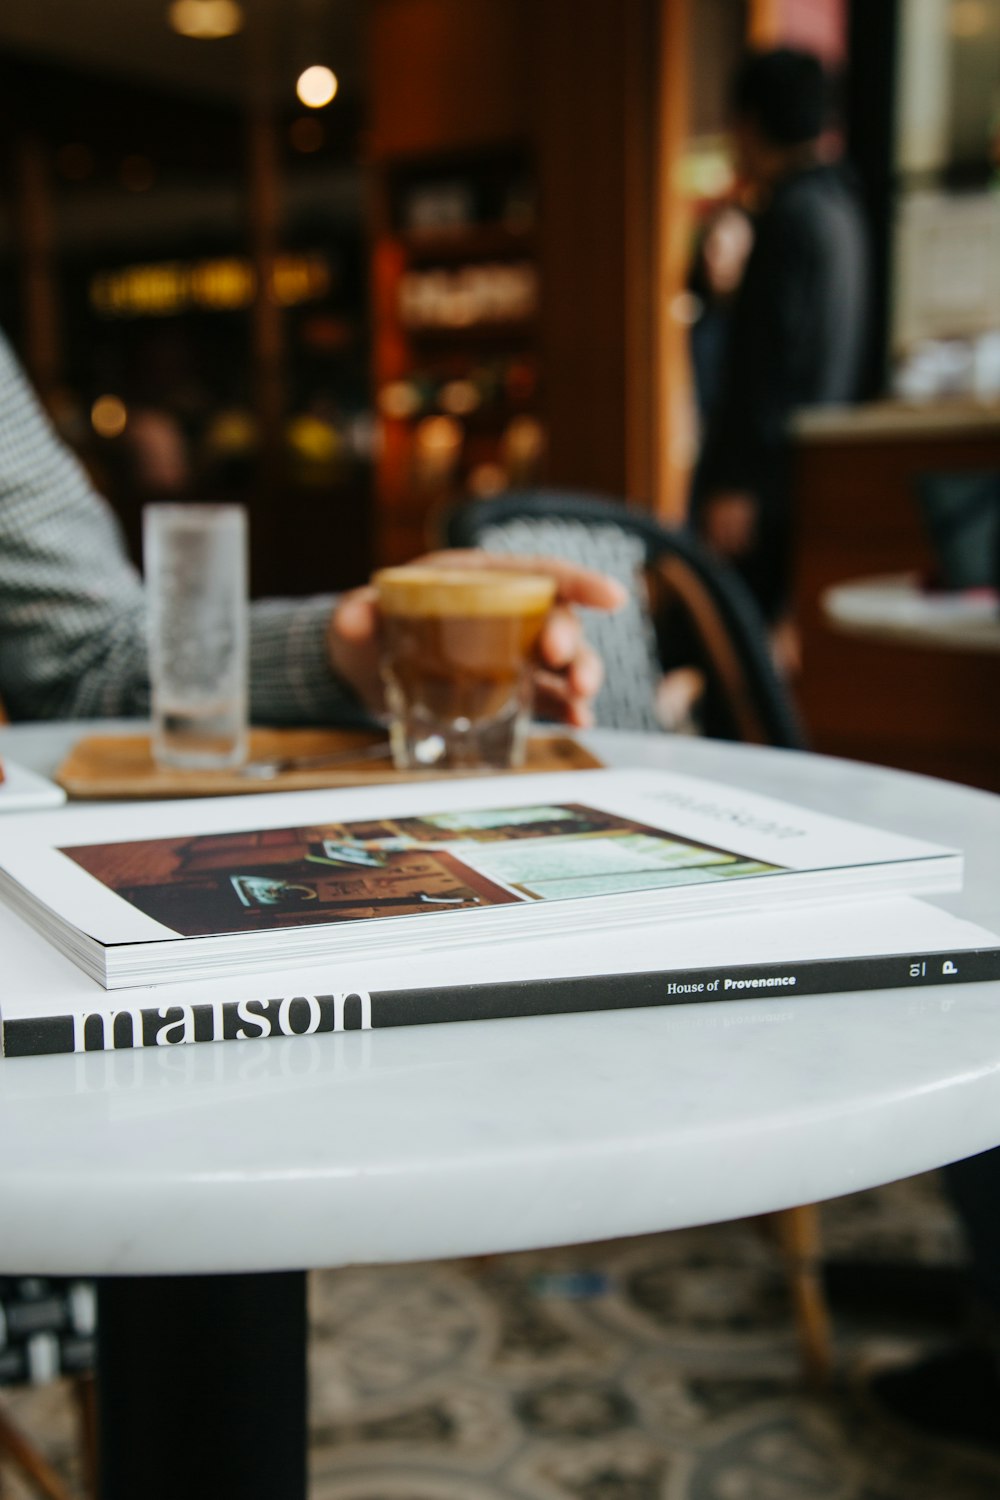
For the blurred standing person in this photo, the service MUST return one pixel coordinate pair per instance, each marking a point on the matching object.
(798, 322)
(717, 269)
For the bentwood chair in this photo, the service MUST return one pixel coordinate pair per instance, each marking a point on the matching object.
(684, 608)
(47, 1327)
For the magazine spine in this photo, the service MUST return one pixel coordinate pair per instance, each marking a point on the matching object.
(107, 1027)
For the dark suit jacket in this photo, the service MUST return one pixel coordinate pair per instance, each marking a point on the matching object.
(797, 333)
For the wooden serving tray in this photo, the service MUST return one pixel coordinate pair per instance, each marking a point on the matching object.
(122, 766)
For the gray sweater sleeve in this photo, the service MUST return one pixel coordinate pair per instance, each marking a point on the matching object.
(72, 607)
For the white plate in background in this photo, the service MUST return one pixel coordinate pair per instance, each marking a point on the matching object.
(21, 789)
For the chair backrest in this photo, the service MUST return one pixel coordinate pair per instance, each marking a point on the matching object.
(676, 589)
(47, 1328)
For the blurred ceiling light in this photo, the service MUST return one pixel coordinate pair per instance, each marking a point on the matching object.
(316, 86)
(224, 283)
(399, 400)
(487, 479)
(969, 18)
(306, 134)
(437, 448)
(439, 435)
(312, 439)
(231, 433)
(205, 19)
(459, 397)
(108, 416)
(299, 278)
(522, 445)
(219, 284)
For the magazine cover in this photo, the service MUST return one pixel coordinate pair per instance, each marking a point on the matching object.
(132, 891)
(406, 866)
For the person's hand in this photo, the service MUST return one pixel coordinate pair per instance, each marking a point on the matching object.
(569, 672)
(729, 522)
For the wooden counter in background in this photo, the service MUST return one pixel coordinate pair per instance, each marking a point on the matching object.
(918, 708)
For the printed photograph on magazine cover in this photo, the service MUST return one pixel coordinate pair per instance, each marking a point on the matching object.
(342, 872)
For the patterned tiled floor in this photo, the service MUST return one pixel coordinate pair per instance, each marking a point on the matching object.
(662, 1368)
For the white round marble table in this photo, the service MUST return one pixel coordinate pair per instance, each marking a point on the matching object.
(453, 1140)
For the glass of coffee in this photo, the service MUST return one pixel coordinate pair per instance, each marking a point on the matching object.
(457, 663)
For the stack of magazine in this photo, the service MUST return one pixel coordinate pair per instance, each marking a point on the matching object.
(298, 913)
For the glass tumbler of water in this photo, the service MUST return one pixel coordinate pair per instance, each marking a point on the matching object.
(195, 559)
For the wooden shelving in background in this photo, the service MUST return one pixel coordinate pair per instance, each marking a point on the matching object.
(552, 115)
(457, 331)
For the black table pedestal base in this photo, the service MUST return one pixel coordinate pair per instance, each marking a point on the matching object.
(202, 1387)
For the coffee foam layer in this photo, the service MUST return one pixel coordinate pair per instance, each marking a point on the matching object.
(469, 592)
